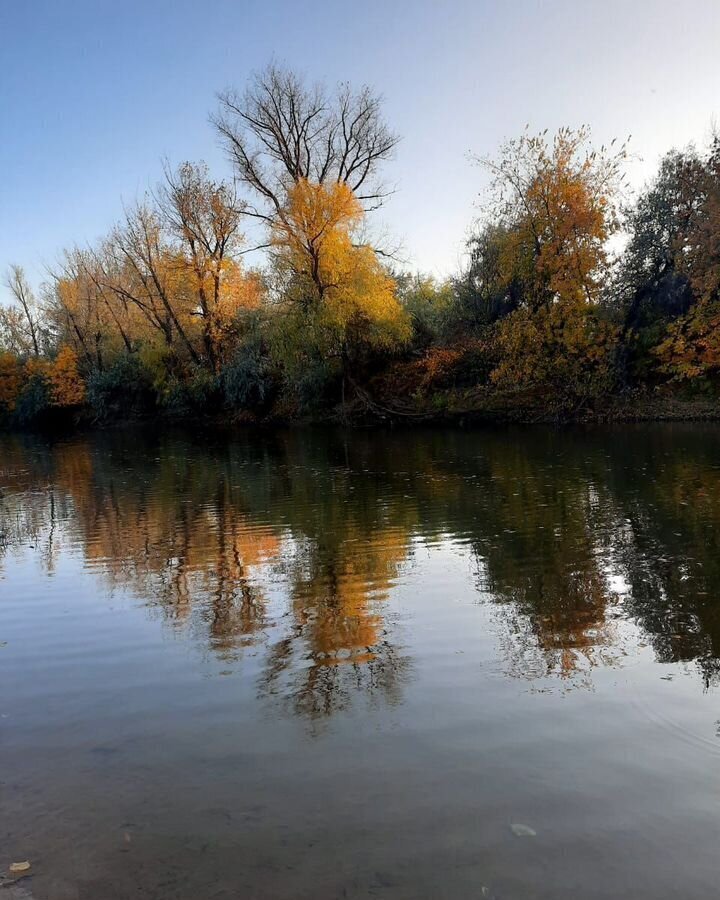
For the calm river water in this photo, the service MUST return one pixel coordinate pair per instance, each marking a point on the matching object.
(320, 664)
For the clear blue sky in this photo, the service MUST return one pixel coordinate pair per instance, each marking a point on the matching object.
(94, 93)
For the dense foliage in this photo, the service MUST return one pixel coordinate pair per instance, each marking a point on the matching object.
(548, 317)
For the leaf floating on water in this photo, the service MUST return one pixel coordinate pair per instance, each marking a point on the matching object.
(18, 867)
(522, 830)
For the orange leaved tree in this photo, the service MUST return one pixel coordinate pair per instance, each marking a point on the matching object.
(554, 206)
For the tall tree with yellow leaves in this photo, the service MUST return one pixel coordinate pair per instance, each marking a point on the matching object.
(337, 298)
(311, 161)
(554, 205)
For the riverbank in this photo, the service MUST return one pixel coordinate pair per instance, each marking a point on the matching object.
(632, 407)
(451, 408)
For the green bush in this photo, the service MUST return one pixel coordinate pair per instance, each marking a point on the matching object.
(429, 304)
(33, 401)
(199, 394)
(318, 385)
(247, 380)
(124, 389)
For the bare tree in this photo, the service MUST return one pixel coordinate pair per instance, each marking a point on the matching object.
(280, 131)
(13, 331)
(27, 323)
(114, 304)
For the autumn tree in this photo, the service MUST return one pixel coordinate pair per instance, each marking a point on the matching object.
(281, 131)
(155, 276)
(554, 206)
(160, 301)
(337, 298)
(83, 313)
(310, 161)
(204, 216)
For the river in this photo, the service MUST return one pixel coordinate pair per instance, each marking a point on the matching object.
(347, 664)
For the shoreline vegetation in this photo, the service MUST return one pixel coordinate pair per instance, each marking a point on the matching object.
(577, 301)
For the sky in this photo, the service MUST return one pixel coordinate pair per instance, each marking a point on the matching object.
(94, 94)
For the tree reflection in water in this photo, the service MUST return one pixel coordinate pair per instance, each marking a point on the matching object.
(289, 545)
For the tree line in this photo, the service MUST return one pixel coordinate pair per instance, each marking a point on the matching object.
(574, 297)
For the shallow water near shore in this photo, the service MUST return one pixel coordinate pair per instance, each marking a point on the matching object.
(324, 664)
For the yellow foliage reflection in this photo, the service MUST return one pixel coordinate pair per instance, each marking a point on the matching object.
(291, 545)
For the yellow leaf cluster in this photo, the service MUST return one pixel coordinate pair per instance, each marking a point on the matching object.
(340, 286)
(66, 386)
(565, 346)
(692, 345)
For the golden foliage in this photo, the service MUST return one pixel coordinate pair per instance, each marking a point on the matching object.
(571, 216)
(340, 288)
(318, 216)
(36, 368)
(692, 345)
(66, 386)
(566, 346)
(556, 203)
